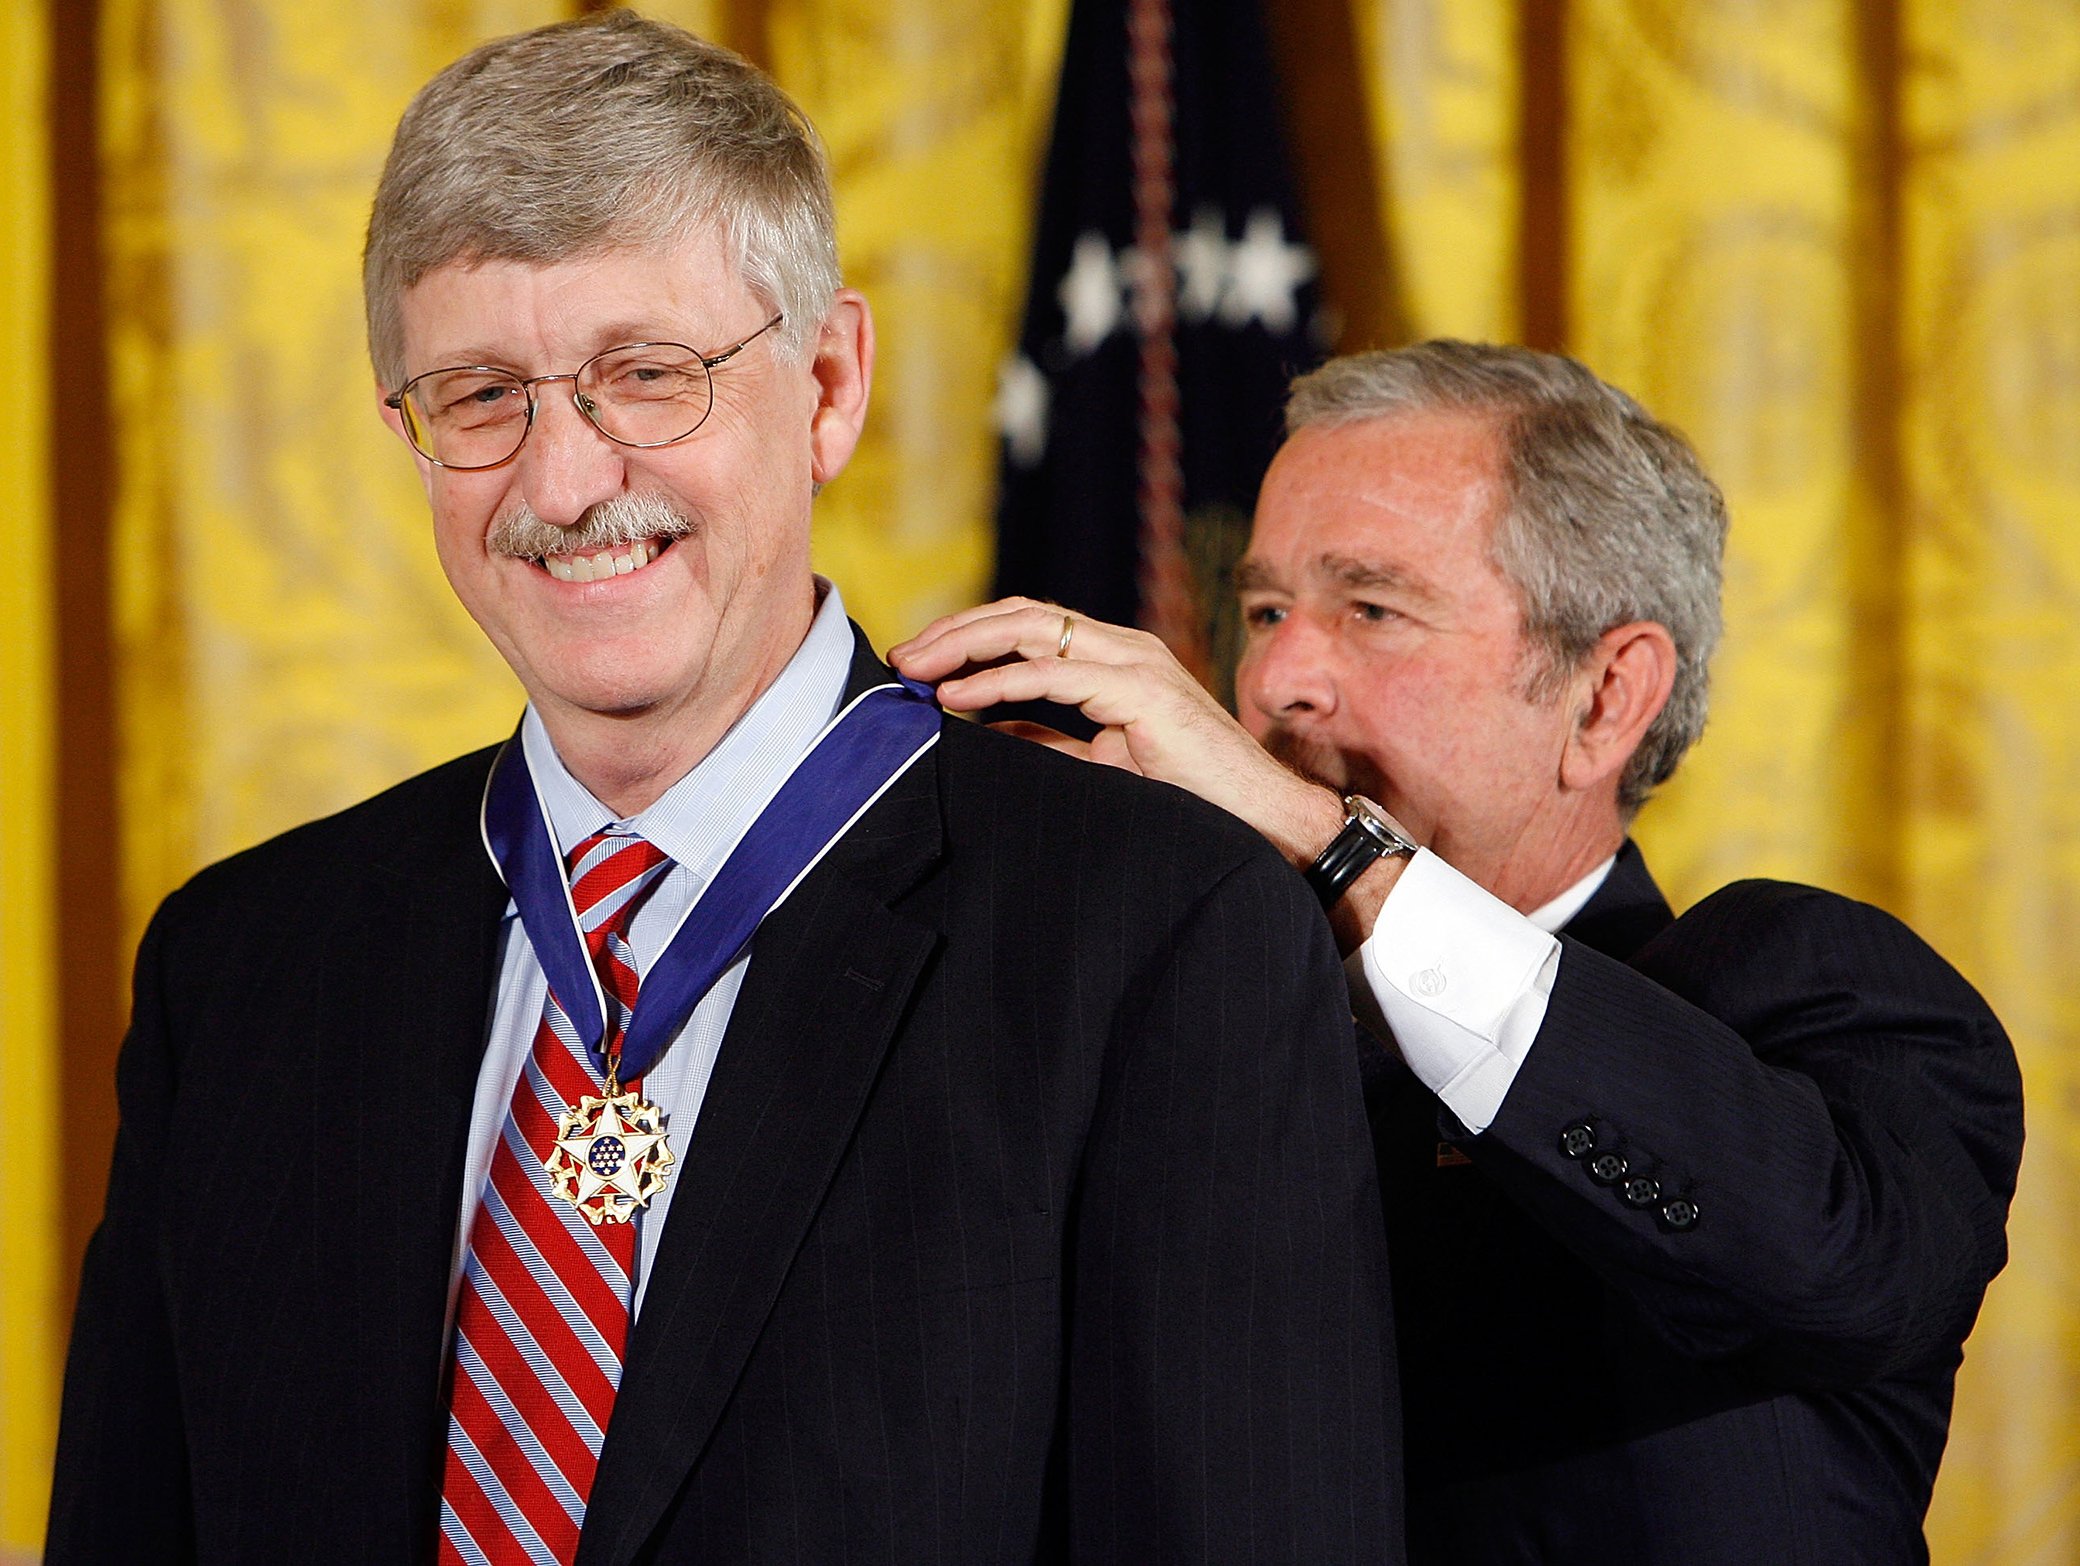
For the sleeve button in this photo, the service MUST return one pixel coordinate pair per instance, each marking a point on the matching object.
(1641, 1191)
(1578, 1140)
(1679, 1213)
(1608, 1168)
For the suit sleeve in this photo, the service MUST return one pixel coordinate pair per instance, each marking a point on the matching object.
(120, 1492)
(1789, 1132)
(1231, 1394)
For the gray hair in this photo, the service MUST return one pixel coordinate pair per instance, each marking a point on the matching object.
(1609, 518)
(594, 135)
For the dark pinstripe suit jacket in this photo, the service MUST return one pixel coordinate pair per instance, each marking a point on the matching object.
(1030, 1215)
(1771, 1387)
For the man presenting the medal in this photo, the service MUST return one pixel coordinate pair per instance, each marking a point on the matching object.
(742, 1117)
(1690, 1215)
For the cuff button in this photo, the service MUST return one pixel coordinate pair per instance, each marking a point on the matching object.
(1608, 1168)
(1641, 1191)
(1578, 1140)
(1679, 1213)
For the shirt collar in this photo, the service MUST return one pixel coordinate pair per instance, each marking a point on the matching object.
(1550, 917)
(699, 818)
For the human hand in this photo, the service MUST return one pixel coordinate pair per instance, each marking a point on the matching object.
(1154, 718)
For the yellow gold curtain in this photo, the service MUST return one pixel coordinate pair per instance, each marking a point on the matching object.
(30, 1333)
(935, 115)
(1442, 86)
(1837, 240)
(1988, 421)
(1840, 244)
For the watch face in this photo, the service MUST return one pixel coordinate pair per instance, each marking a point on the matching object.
(1377, 825)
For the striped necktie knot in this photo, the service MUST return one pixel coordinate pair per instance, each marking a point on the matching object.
(612, 874)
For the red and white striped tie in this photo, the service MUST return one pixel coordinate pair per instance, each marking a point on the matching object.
(543, 1315)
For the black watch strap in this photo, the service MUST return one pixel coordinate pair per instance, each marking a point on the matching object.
(1369, 834)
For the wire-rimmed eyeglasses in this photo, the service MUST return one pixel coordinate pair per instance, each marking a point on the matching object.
(471, 416)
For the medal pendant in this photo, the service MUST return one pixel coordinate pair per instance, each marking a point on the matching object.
(610, 1156)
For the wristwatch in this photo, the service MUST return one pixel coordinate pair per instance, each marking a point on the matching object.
(1369, 834)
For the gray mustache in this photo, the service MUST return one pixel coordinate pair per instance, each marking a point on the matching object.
(625, 519)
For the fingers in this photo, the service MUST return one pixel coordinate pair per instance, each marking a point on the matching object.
(946, 625)
(1010, 628)
(1163, 728)
(1021, 628)
(950, 622)
(1064, 680)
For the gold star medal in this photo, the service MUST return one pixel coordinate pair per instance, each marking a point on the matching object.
(610, 1155)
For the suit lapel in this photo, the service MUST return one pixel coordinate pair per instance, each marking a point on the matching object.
(409, 990)
(831, 975)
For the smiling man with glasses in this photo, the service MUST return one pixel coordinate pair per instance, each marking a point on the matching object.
(743, 1117)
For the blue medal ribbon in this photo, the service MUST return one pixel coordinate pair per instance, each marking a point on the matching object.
(860, 752)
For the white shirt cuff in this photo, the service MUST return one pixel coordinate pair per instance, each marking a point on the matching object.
(1459, 980)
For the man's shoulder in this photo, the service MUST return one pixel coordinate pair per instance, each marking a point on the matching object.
(1759, 912)
(995, 786)
(422, 823)
(1755, 939)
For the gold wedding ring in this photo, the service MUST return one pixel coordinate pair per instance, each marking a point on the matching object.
(1061, 648)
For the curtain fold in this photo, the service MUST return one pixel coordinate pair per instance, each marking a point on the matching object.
(1443, 85)
(1989, 679)
(935, 114)
(31, 1335)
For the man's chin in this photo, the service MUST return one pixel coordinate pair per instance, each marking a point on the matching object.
(598, 702)
(607, 687)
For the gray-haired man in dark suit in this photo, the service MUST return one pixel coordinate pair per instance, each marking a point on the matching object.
(1689, 1217)
(890, 1143)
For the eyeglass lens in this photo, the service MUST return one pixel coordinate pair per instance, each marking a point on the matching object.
(648, 394)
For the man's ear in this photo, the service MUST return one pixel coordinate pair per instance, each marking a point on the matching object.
(844, 369)
(1620, 689)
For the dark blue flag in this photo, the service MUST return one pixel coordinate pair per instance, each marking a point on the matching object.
(1173, 296)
